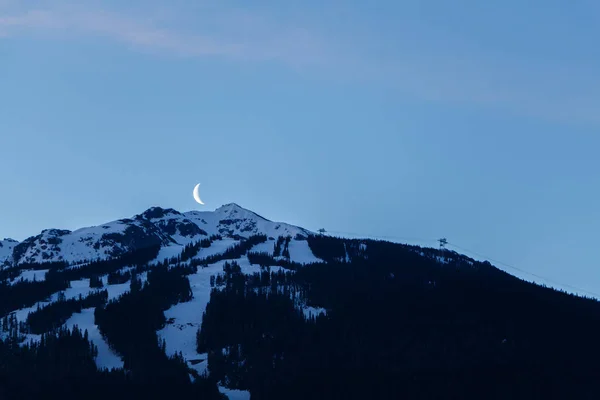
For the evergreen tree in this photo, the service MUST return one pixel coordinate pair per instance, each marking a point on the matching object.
(96, 282)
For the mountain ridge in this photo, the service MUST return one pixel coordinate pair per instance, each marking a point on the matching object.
(154, 226)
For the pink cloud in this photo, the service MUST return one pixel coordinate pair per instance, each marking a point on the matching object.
(442, 76)
(291, 46)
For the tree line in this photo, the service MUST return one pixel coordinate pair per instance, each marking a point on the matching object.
(52, 316)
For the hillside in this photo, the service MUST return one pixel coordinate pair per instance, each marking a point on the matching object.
(228, 303)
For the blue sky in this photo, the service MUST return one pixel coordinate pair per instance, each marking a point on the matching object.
(477, 121)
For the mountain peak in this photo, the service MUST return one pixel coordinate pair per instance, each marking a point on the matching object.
(235, 211)
(231, 206)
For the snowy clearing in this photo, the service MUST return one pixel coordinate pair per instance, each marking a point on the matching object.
(115, 291)
(166, 253)
(234, 394)
(300, 252)
(186, 318)
(265, 247)
(85, 320)
(31, 275)
(216, 247)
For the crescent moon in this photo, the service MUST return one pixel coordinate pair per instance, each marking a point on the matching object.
(196, 194)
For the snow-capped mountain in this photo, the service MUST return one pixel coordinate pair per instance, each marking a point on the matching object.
(213, 234)
(226, 300)
(155, 226)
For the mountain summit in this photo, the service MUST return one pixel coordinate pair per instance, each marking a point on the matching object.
(155, 226)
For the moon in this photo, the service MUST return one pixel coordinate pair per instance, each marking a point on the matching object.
(196, 194)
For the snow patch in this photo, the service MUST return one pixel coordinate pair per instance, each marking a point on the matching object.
(300, 252)
(106, 357)
(115, 291)
(167, 252)
(216, 247)
(313, 311)
(31, 275)
(6, 250)
(234, 394)
(442, 260)
(264, 247)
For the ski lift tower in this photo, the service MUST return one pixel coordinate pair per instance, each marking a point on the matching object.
(443, 243)
(322, 231)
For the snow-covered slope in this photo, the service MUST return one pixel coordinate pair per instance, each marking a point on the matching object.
(232, 220)
(156, 226)
(6, 250)
(98, 242)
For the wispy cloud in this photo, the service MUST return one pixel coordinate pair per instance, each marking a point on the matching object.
(543, 91)
(292, 46)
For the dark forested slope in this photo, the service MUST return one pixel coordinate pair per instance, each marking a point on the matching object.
(400, 324)
(371, 320)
